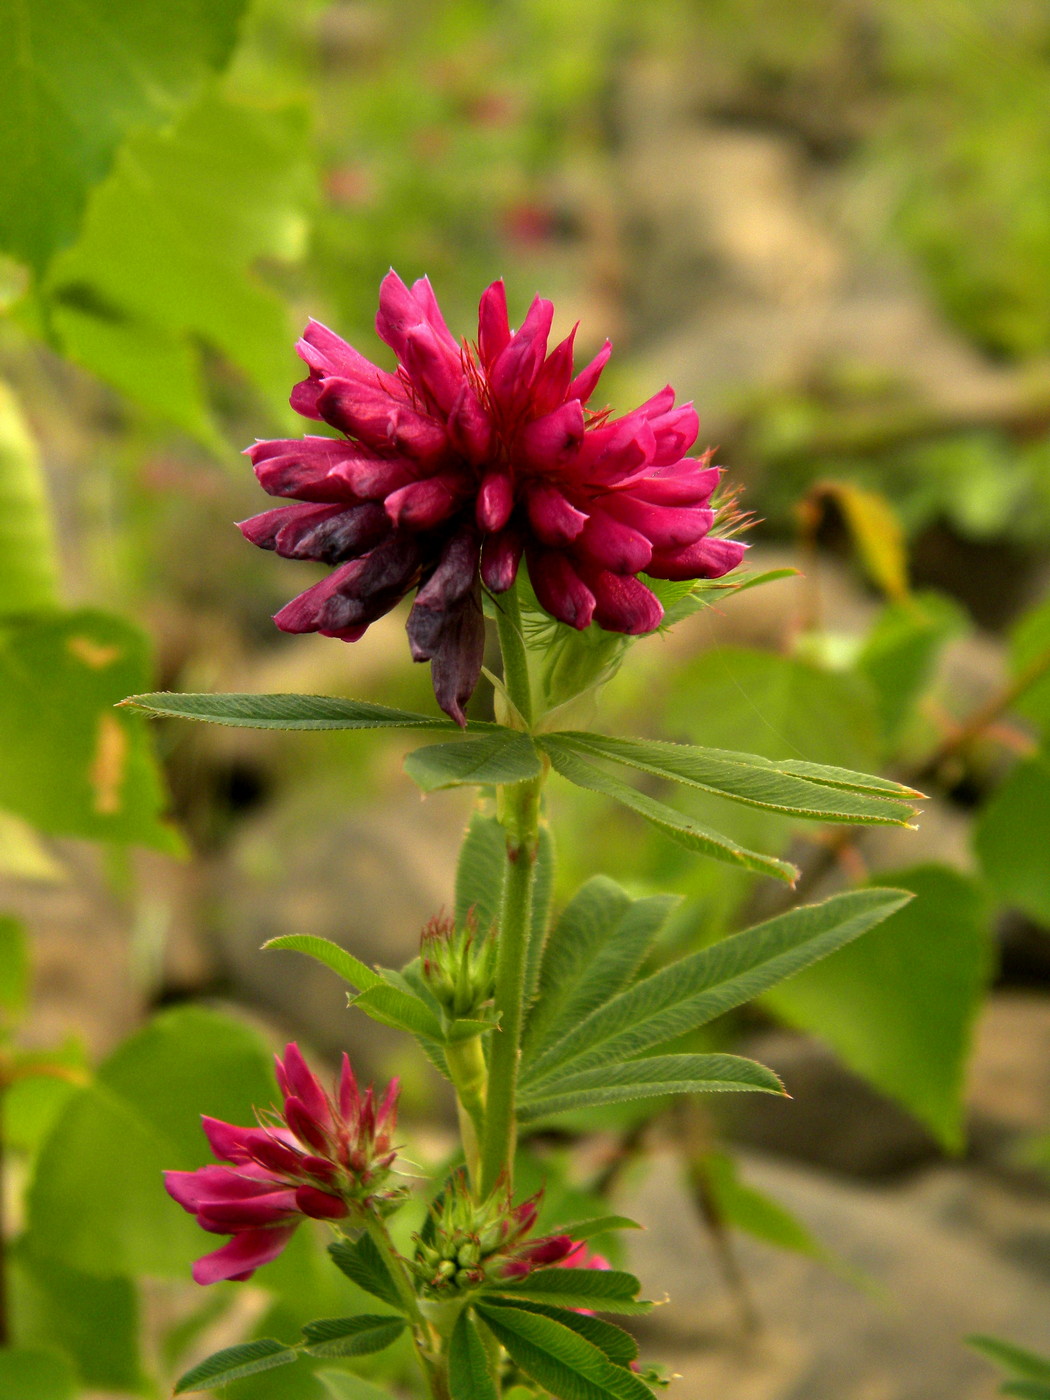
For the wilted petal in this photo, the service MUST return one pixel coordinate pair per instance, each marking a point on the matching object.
(456, 663)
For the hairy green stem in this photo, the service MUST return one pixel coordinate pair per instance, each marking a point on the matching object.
(434, 1366)
(519, 812)
(469, 1071)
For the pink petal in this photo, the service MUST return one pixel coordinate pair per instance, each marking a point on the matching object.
(495, 501)
(493, 322)
(512, 374)
(546, 440)
(555, 520)
(380, 421)
(585, 383)
(666, 527)
(623, 604)
(560, 589)
(349, 1097)
(427, 301)
(552, 382)
(423, 504)
(500, 556)
(297, 1079)
(612, 545)
(708, 558)
(320, 1205)
(469, 428)
(245, 1253)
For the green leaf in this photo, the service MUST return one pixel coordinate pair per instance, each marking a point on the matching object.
(593, 951)
(323, 950)
(605, 1290)
(695, 990)
(507, 756)
(352, 1336)
(646, 1079)
(619, 1346)
(1019, 1360)
(468, 1367)
(143, 279)
(341, 1385)
(743, 1207)
(558, 1358)
(391, 1006)
(674, 824)
(28, 559)
(899, 653)
(285, 712)
(1029, 650)
(73, 765)
(14, 969)
(362, 1263)
(75, 76)
(143, 1112)
(540, 911)
(757, 782)
(597, 1225)
(234, 1363)
(899, 1005)
(480, 872)
(94, 1321)
(27, 1374)
(1027, 1390)
(1011, 836)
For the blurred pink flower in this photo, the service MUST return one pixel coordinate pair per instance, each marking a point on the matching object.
(323, 1156)
(463, 460)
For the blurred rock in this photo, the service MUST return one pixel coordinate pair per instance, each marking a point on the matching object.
(888, 1325)
(1009, 1078)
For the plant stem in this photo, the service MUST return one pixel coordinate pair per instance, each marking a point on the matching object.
(433, 1366)
(519, 812)
(469, 1071)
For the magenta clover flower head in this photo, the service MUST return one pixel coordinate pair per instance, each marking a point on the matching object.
(467, 457)
(327, 1156)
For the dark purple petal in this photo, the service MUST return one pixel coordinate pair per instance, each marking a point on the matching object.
(456, 663)
(356, 593)
(245, 1253)
(330, 534)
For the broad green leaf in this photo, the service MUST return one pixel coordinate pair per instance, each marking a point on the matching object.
(234, 1363)
(1027, 1390)
(1011, 839)
(323, 950)
(558, 1358)
(480, 872)
(743, 1207)
(28, 559)
(1030, 661)
(143, 278)
(607, 1290)
(75, 76)
(506, 756)
(468, 1366)
(648, 1078)
(695, 990)
(1018, 1360)
(144, 1115)
(352, 1336)
(14, 970)
(73, 765)
(619, 1346)
(285, 712)
(341, 1385)
(899, 1005)
(94, 1321)
(362, 1263)
(393, 1007)
(34, 1101)
(754, 781)
(29, 1374)
(593, 951)
(899, 653)
(676, 825)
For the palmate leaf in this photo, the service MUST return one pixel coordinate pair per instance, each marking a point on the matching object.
(757, 782)
(605, 1290)
(352, 1336)
(676, 825)
(619, 1346)
(287, 712)
(557, 1358)
(688, 993)
(594, 949)
(505, 756)
(391, 1006)
(480, 872)
(648, 1078)
(234, 1363)
(469, 1376)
